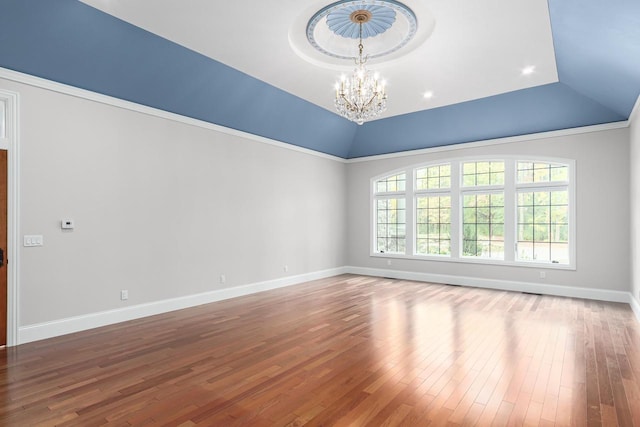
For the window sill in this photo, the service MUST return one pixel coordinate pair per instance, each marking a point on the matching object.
(483, 261)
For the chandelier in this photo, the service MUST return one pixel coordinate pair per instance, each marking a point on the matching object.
(360, 96)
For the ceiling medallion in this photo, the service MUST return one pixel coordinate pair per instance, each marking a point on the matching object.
(390, 26)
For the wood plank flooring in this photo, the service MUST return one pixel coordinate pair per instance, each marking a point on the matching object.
(345, 351)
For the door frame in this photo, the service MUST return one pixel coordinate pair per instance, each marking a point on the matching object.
(10, 143)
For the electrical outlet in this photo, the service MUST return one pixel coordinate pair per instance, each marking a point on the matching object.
(124, 295)
(388, 262)
(223, 279)
(286, 268)
(543, 274)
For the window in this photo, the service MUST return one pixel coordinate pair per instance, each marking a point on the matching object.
(433, 177)
(543, 212)
(391, 225)
(483, 225)
(503, 210)
(538, 172)
(433, 224)
(392, 184)
(483, 209)
(433, 210)
(482, 173)
(390, 215)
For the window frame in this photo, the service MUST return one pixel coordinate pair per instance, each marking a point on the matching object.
(550, 186)
(482, 189)
(431, 192)
(510, 189)
(375, 196)
(478, 192)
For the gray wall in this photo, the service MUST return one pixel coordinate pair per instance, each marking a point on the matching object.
(161, 208)
(602, 197)
(164, 208)
(635, 205)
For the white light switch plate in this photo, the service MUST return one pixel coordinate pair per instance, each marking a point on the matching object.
(33, 240)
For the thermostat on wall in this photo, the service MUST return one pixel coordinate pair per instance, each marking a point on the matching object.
(67, 224)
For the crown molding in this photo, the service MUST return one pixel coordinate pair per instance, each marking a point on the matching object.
(62, 88)
(635, 112)
(42, 83)
(497, 141)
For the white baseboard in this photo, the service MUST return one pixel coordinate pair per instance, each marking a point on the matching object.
(503, 285)
(635, 305)
(69, 325)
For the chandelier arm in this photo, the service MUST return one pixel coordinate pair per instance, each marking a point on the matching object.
(370, 101)
(349, 105)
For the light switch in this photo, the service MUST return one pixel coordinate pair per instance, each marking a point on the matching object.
(33, 240)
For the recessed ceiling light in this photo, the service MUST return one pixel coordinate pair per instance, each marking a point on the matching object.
(428, 95)
(528, 70)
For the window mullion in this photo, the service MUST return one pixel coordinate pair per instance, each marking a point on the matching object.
(410, 224)
(510, 210)
(456, 219)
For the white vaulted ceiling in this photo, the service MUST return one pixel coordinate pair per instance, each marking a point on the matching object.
(462, 51)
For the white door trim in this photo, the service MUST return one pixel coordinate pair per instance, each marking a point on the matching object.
(10, 143)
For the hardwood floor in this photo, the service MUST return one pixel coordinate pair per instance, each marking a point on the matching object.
(345, 351)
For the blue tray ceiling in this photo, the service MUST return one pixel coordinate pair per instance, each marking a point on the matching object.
(597, 47)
